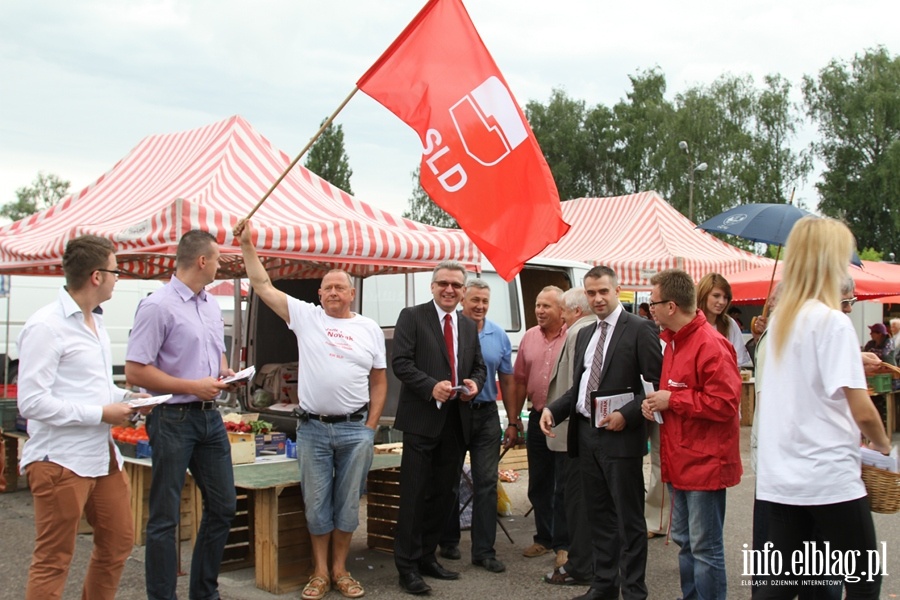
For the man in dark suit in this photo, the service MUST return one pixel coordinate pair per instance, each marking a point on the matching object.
(611, 357)
(437, 358)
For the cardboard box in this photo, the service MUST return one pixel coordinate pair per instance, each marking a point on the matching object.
(243, 448)
(271, 443)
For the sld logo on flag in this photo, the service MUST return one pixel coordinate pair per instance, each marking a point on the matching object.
(489, 126)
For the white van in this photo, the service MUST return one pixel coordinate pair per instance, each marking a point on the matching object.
(267, 340)
(26, 293)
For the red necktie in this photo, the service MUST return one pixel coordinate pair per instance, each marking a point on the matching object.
(448, 340)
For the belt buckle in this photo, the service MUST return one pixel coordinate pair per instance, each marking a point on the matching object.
(207, 405)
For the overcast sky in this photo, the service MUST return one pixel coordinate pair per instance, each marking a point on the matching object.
(83, 82)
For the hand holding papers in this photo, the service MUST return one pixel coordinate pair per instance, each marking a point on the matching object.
(241, 376)
(648, 389)
(606, 402)
(150, 401)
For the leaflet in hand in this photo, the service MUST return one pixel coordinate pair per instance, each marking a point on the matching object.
(648, 389)
(606, 403)
(151, 401)
(243, 375)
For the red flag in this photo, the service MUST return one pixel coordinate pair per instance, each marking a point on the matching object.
(481, 162)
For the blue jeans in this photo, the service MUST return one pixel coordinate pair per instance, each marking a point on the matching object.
(334, 459)
(697, 523)
(185, 439)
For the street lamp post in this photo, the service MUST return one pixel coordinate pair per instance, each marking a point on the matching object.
(701, 167)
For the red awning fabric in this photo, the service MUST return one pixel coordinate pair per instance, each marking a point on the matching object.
(209, 178)
(875, 280)
(641, 234)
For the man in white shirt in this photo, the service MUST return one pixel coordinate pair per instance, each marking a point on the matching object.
(66, 392)
(342, 387)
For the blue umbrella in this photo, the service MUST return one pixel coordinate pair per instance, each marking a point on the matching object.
(765, 223)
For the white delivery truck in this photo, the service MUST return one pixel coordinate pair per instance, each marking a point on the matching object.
(26, 293)
(271, 346)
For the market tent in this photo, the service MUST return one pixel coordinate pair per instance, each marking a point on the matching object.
(209, 178)
(873, 280)
(641, 234)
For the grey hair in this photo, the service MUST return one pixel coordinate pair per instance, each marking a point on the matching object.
(477, 282)
(450, 265)
(848, 286)
(576, 298)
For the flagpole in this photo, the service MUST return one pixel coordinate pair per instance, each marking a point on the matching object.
(777, 256)
(312, 141)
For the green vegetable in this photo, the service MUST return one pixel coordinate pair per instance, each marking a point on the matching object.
(260, 427)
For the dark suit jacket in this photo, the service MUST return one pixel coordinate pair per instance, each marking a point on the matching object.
(421, 360)
(634, 350)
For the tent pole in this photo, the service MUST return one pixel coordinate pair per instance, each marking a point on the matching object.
(311, 141)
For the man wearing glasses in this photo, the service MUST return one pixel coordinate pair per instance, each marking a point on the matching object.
(437, 358)
(699, 399)
(66, 392)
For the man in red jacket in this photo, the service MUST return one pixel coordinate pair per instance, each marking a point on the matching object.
(698, 399)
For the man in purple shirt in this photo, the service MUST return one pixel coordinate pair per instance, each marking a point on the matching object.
(177, 347)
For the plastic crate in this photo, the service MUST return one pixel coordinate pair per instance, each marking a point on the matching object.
(880, 384)
(9, 410)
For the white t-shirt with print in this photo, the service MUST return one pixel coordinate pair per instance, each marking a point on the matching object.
(808, 441)
(335, 358)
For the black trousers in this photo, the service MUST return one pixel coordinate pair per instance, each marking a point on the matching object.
(429, 481)
(614, 492)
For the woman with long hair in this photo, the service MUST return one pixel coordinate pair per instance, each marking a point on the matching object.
(714, 298)
(813, 406)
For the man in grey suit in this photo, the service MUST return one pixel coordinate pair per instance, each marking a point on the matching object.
(437, 358)
(611, 357)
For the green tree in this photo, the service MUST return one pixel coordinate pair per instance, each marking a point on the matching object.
(856, 107)
(559, 127)
(424, 210)
(328, 159)
(642, 137)
(45, 191)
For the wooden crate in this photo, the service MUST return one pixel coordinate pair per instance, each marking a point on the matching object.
(382, 508)
(516, 458)
(748, 403)
(282, 544)
(239, 549)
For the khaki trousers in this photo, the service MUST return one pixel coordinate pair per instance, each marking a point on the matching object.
(60, 497)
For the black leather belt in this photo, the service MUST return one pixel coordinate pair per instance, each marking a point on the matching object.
(480, 405)
(207, 405)
(359, 415)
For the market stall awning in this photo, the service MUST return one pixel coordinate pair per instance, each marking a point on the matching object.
(641, 234)
(209, 178)
(873, 280)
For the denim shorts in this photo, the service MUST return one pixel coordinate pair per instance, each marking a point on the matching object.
(334, 459)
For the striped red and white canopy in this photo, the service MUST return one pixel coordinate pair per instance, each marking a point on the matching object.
(641, 234)
(209, 178)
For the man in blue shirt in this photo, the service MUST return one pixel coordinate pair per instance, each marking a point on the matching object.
(484, 445)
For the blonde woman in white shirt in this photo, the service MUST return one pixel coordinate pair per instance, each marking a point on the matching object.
(813, 407)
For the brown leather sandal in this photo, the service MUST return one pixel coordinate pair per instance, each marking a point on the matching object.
(316, 588)
(349, 587)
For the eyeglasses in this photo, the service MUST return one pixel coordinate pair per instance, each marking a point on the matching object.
(454, 284)
(115, 272)
(849, 301)
(652, 304)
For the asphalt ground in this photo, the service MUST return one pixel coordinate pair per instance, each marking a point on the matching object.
(375, 569)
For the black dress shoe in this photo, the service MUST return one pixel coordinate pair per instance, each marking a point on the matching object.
(450, 552)
(412, 583)
(491, 564)
(434, 569)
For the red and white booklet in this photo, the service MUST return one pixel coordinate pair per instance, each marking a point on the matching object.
(608, 401)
